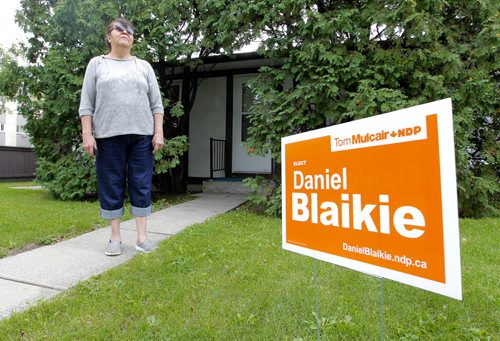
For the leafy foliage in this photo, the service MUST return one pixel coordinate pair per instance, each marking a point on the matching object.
(347, 60)
(9, 82)
(65, 35)
(339, 61)
(168, 156)
(71, 177)
(264, 193)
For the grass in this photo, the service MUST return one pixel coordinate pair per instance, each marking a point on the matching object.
(30, 218)
(229, 279)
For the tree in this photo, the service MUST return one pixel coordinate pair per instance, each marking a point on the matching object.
(185, 32)
(353, 59)
(65, 35)
(342, 60)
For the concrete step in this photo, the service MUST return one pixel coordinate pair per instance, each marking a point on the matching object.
(225, 186)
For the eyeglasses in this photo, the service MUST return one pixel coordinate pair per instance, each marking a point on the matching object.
(120, 28)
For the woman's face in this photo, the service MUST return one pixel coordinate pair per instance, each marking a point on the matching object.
(121, 36)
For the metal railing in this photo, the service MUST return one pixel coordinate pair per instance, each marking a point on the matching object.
(217, 156)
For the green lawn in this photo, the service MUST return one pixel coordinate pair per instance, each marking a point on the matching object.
(229, 279)
(29, 218)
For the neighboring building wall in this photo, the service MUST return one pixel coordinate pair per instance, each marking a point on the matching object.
(10, 110)
(207, 119)
(22, 138)
(2, 129)
(13, 133)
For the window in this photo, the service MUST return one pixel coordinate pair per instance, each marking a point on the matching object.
(248, 99)
(2, 127)
(174, 93)
(245, 124)
(20, 130)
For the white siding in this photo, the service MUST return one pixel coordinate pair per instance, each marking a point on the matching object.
(208, 119)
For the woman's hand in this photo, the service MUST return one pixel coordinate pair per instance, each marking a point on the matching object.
(89, 144)
(158, 142)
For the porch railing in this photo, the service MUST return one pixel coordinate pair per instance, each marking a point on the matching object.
(217, 156)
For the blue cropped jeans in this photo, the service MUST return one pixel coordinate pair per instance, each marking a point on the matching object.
(124, 160)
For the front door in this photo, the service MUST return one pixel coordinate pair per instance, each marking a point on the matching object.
(243, 99)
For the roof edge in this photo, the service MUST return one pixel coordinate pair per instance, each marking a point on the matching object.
(213, 59)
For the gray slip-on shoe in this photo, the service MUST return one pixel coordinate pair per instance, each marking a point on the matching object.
(146, 246)
(114, 248)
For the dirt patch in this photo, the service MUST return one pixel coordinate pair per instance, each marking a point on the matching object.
(25, 248)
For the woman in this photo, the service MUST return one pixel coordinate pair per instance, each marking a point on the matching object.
(122, 126)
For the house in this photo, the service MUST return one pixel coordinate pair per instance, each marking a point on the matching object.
(219, 118)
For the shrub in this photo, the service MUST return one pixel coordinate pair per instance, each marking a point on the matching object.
(71, 177)
(265, 193)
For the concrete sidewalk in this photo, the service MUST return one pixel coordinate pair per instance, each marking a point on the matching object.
(46, 271)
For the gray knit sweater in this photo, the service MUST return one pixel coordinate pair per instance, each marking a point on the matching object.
(121, 96)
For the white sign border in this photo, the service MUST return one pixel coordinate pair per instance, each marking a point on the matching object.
(451, 236)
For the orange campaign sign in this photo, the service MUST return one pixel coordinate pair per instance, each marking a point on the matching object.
(378, 195)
